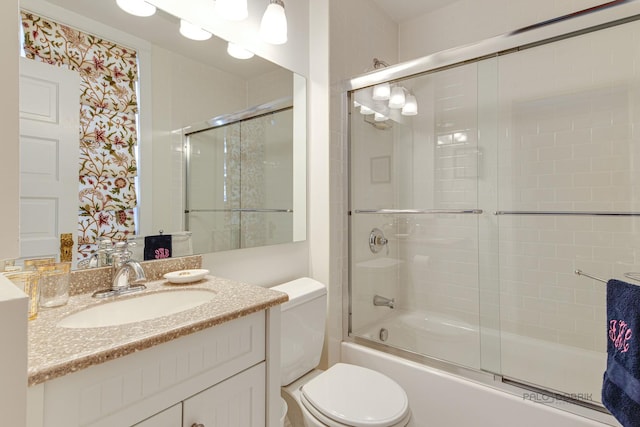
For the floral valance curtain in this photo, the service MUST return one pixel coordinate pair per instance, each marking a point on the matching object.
(108, 135)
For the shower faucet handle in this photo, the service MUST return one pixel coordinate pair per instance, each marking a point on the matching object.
(377, 241)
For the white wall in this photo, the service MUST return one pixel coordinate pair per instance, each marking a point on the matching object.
(13, 329)
(9, 191)
(467, 21)
(359, 32)
(13, 357)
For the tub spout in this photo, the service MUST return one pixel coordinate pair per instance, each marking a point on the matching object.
(383, 302)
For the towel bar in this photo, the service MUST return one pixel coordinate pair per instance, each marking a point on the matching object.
(581, 273)
(632, 276)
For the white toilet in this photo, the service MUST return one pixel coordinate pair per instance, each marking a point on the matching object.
(343, 395)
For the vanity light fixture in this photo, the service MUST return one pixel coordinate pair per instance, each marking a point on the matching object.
(136, 7)
(232, 10)
(238, 51)
(410, 106)
(397, 98)
(192, 31)
(273, 27)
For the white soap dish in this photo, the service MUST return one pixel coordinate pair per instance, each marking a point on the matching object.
(186, 276)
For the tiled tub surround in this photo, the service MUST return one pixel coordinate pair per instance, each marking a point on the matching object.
(55, 351)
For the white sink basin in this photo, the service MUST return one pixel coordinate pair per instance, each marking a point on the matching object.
(143, 307)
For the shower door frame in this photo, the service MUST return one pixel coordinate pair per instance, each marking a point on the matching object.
(609, 15)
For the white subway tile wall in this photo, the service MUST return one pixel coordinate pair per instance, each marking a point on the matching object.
(567, 142)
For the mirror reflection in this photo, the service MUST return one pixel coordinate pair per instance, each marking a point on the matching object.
(239, 191)
(242, 193)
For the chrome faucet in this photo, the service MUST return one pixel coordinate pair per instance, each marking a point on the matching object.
(123, 268)
(383, 302)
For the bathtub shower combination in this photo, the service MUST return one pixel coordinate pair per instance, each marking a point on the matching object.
(481, 179)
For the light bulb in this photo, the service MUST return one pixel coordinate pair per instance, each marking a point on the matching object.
(136, 7)
(192, 31)
(381, 92)
(410, 106)
(232, 10)
(397, 98)
(366, 110)
(379, 117)
(238, 51)
(273, 27)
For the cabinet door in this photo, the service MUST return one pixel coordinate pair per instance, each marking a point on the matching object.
(170, 417)
(236, 402)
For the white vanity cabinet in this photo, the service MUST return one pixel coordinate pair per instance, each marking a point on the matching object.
(214, 377)
(171, 417)
(236, 402)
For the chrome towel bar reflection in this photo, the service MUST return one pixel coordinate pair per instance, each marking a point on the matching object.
(240, 210)
(581, 273)
(579, 213)
(417, 211)
(632, 276)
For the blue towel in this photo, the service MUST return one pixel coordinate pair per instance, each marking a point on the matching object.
(621, 383)
(157, 247)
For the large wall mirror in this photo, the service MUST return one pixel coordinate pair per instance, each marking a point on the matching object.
(222, 141)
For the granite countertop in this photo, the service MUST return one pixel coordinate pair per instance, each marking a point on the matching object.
(56, 351)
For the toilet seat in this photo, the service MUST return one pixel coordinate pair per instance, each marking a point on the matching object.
(350, 395)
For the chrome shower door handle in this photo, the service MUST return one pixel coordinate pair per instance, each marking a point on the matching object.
(377, 241)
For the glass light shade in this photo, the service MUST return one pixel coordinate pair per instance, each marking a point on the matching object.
(192, 31)
(238, 51)
(410, 106)
(397, 98)
(366, 110)
(136, 7)
(381, 92)
(273, 27)
(378, 117)
(460, 137)
(232, 10)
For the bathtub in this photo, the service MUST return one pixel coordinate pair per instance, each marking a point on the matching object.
(463, 395)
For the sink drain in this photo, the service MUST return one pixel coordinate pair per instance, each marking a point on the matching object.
(383, 335)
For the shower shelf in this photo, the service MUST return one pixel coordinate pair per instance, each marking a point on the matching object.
(576, 213)
(416, 211)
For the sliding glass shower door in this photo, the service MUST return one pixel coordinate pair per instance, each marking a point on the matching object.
(414, 218)
(470, 215)
(239, 192)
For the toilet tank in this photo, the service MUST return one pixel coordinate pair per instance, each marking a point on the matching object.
(302, 330)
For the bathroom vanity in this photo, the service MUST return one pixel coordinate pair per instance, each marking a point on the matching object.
(215, 364)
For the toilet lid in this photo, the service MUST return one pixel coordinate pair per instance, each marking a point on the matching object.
(357, 396)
